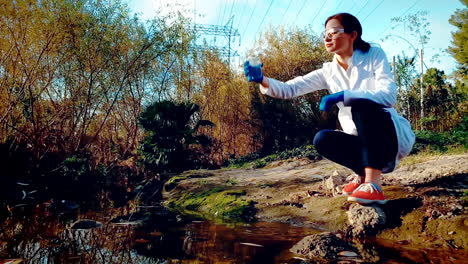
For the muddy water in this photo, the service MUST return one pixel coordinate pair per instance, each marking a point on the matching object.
(44, 238)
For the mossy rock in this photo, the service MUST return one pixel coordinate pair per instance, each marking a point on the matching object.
(442, 233)
(216, 204)
(174, 181)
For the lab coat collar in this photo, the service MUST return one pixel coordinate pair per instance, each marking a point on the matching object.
(356, 59)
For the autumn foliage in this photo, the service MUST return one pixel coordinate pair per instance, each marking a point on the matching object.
(76, 76)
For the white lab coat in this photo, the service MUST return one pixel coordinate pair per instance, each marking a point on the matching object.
(368, 77)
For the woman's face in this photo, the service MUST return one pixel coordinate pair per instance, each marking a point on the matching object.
(336, 40)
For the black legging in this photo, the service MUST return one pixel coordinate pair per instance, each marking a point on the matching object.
(375, 145)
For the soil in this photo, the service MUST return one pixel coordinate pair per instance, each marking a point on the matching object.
(427, 197)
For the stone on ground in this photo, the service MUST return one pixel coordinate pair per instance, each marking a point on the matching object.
(365, 220)
(324, 246)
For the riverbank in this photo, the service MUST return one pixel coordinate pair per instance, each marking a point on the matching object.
(291, 206)
(427, 193)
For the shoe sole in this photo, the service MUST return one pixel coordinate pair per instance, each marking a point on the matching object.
(365, 201)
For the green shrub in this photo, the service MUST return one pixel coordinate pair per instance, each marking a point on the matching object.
(260, 163)
(216, 203)
(231, 182)
(439, 141)
(306, 151)
(171, 130)
(75, 167)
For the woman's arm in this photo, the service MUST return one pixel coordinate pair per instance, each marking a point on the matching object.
(298, 86)
(265, 83)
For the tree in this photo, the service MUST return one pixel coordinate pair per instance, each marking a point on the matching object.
(75, 74)
(445, 104)
(459, 48)
(224, 98)
(170, 133)
(405, 72)
(286, 54)
(417, 25)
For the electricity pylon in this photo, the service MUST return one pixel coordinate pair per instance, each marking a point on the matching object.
(226, 31)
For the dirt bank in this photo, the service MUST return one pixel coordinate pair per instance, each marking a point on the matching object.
(427, 207)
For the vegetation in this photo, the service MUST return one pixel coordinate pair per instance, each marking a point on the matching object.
(74, 78)
(255, 160)
(441, 141)
(92, 96)
(172, 182)
(460, 38)
(286, 124)
(226, 205)
(170, 130)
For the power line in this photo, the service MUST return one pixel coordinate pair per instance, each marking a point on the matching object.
(404, 13)
(373, 10)
(287, 8)
(242, 15)
(337, 7)
(251, 14)
(224, 12)
(219, 14)
(318, 12)
(354, 4)
(263, 19)
(226, 31)
(411, 7)
(222, 18)
(302, 7)
(363, 7)
(232, 6)
(194, 9)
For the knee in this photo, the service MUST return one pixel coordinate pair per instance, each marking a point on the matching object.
(321, 139)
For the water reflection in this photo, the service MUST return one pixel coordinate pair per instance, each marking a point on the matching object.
(58, 244)
(163, 238)
(255, 243)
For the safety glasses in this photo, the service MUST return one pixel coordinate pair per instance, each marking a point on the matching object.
(331, 33)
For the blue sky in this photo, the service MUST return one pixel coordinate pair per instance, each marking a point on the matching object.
(251, 17)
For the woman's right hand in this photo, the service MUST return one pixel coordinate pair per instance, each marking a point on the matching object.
(253, 73)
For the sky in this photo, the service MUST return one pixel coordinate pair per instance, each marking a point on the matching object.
(251, 17)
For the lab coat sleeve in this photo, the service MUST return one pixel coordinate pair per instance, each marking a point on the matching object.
(298, 86)
(383, 89)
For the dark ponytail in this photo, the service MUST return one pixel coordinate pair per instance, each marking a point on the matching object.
(361, 45)
(350, 24)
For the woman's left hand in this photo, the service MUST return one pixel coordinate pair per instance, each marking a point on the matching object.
(253, 73)
(329, 100)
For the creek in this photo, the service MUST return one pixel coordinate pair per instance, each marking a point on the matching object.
(151, 234)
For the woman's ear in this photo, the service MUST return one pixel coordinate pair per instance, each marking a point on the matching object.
(354, 35)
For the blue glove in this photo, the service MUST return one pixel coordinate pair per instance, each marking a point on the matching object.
(329, 100)
(253, 73)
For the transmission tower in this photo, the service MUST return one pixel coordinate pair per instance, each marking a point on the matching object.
(227, 31)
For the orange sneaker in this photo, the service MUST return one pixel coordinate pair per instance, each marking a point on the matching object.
(367, 193)
(349, 188)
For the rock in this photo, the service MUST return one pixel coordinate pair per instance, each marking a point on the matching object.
(86, 224)
(11, 261)
(366, 220)
(349, 254)
(324, 245)
(368, 252)
(251, 244)
(132, 223)
(332, 184)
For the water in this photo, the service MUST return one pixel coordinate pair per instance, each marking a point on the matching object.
(254, 61)
(45, 238)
